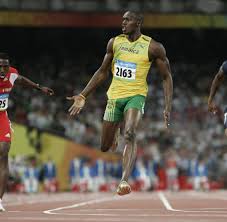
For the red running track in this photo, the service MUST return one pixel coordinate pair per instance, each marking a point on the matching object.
(187, 206)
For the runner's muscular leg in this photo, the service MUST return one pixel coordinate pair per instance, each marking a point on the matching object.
(132, 119)
(109, 130)
(4, 170)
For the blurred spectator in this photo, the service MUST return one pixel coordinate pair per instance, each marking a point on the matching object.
(31, 177)
(74, 173)
(87, 173)
(201, 174)
(172, 172)
(100, 175)
(49, 176)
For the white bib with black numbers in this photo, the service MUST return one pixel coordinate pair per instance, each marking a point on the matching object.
(124, 70)
(4, 101)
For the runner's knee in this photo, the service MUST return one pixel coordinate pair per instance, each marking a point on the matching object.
(130, 135)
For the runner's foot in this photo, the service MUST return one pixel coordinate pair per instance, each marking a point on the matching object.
(2, 209)
(123, 188)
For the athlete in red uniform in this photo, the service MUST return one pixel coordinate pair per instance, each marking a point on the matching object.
(8, 77)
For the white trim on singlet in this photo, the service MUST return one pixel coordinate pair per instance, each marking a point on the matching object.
(13, 77)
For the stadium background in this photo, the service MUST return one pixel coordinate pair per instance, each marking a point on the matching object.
(61, 43)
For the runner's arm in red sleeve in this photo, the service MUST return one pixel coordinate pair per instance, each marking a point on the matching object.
(21, 80)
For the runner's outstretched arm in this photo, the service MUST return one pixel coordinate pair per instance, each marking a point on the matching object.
(97, 79)
(28, 83)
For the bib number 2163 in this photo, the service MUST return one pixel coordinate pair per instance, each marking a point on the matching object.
(125, 70)
(126, 73)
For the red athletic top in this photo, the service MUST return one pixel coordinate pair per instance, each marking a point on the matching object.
(6, 86)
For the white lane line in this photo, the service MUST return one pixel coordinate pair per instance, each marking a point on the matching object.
(124, 209)
(99, 211)
(95, 201)
(102, 215)
(168, 206)
(165, 201)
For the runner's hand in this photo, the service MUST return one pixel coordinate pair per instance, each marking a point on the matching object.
(47, 90)
(166, 115)
(78, 104)
(212, 108)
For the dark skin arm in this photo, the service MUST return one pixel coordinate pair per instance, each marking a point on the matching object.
(97, 79)
(158, 54)
(218, 79)
(21, 80)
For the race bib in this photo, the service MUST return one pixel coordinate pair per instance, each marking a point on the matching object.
(124, 70)
(4, 102)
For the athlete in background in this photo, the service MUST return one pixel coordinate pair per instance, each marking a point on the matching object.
(217, 81)
(8, 78)
(130, 56)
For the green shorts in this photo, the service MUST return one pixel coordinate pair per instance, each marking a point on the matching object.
(116, 108)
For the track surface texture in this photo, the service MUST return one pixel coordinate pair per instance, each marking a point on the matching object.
(189, 206)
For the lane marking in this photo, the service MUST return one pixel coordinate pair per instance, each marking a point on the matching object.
(124, 209)
(165, 201)
(90, 202)
(168, 206)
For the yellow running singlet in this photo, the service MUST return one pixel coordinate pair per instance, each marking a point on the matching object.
(130, 66)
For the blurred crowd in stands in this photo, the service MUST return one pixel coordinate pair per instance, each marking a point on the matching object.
(66, 60)
(158, 6)
(27, 175)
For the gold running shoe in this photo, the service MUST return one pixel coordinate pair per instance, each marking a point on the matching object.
(123, 188)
